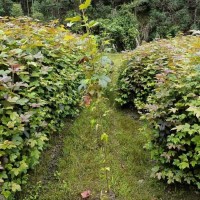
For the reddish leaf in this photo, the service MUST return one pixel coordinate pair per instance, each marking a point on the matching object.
(35, 105)
(15, 66)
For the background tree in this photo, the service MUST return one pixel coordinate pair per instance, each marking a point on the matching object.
(5, 7)
(152, 18)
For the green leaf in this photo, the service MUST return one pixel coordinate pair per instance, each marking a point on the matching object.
(11, 124)
(6, 194)
(14, 116)
(195, 110)
(104, 137)
(193, 163)
(22, 101)
(4, 72)
(17, 51)
(15, 187)
(16, 171)
(12, 99)
(38, 55)
(104, 80)
(183, 165)
(92, 24)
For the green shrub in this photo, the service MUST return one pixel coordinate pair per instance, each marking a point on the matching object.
(137, 77)
(39, 78)
(38, 15)
(121, 27)
(16, 10)
(174, 111)
(164, 80)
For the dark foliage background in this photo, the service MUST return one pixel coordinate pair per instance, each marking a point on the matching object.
(127, 22)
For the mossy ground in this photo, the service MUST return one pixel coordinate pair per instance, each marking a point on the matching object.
(74, 160)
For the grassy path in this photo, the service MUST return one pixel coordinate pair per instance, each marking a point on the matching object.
(74, 161)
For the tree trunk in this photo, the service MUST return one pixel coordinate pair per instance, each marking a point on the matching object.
(26, 6)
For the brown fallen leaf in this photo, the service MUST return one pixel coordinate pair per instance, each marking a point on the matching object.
(84, 59)
(87, 100)
(85, 194)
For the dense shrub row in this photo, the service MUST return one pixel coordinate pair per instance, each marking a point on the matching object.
(39, 77)
(162, 79)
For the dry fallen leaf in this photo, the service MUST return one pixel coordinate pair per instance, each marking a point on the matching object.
(87, 100)
(85, 194)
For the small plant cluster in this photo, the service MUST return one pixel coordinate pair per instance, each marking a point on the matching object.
(162, 79)
(102, 141)
(96, 67)
(40, 72)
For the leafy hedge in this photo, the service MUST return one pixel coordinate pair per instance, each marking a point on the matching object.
(137, 77)
(39, 77)
(163, 80)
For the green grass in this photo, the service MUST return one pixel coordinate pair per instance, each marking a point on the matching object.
(73, 162)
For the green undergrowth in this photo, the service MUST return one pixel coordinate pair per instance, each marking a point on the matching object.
(73, 161)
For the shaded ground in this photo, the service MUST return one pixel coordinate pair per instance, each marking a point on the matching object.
(74, 160)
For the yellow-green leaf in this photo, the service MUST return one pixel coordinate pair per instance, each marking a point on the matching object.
(68, 37)
(16, 187)
(104, 137)
(85, 5)
(73, 19)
